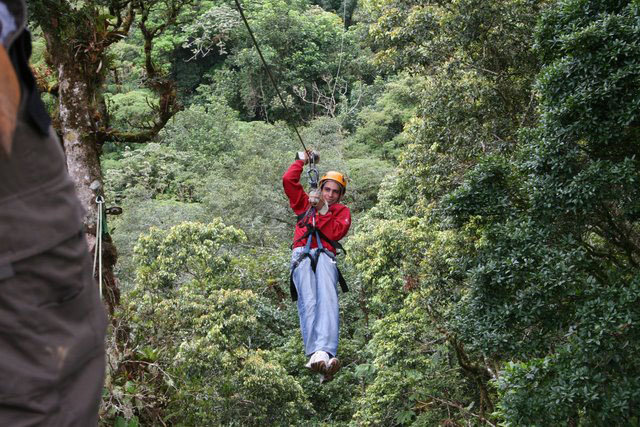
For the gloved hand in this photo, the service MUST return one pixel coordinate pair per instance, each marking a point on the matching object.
(314, 197)
(316, 200)
(309, 154)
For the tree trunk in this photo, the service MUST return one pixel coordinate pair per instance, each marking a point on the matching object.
(77, 101)
(77, 36)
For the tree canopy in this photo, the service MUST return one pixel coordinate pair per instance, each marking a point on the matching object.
(491, 149)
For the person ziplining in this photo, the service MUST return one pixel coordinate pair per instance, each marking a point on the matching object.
(323, 221)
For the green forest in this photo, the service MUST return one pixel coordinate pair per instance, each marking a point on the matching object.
(491, 149)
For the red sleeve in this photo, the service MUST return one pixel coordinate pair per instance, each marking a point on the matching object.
(335, 223)
(298, 199)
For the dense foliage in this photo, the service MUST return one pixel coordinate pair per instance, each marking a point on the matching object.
(494, 261)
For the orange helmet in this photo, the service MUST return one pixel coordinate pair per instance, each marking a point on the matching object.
(334, 176)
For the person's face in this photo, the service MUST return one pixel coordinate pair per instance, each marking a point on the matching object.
(331, 192)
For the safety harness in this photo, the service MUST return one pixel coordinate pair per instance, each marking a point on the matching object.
(306, 253)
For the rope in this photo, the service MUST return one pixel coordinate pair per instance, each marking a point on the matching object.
(344, 30)
(98, 247)
(266, 67)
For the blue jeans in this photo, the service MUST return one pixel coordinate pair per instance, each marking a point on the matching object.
(317, 302)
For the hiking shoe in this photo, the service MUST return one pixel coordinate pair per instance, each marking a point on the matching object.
(318, 362)
(332, 368)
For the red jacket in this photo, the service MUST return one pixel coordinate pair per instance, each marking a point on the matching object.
(334, 224)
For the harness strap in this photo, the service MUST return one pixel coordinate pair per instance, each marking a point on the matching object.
(306, 253)
(292, 285)
(319, 235)
(320, 247)
(343, 283)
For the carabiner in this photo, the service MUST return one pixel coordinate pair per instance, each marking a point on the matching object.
(313, 175)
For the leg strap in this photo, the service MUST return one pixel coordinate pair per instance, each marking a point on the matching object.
(314, 263)
(292, 285)
(305, 253)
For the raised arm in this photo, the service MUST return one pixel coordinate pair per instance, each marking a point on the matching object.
(298, 199)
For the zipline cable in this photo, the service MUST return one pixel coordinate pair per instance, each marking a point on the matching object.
(266, 67)
(344, 23)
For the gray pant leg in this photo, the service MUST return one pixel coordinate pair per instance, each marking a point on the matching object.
(52, 328)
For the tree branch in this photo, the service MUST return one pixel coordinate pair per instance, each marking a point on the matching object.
(479, 373)
(462, 408)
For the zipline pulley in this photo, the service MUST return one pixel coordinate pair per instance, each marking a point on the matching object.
(313, 175)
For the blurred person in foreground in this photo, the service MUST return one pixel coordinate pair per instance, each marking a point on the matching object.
(52, 322)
